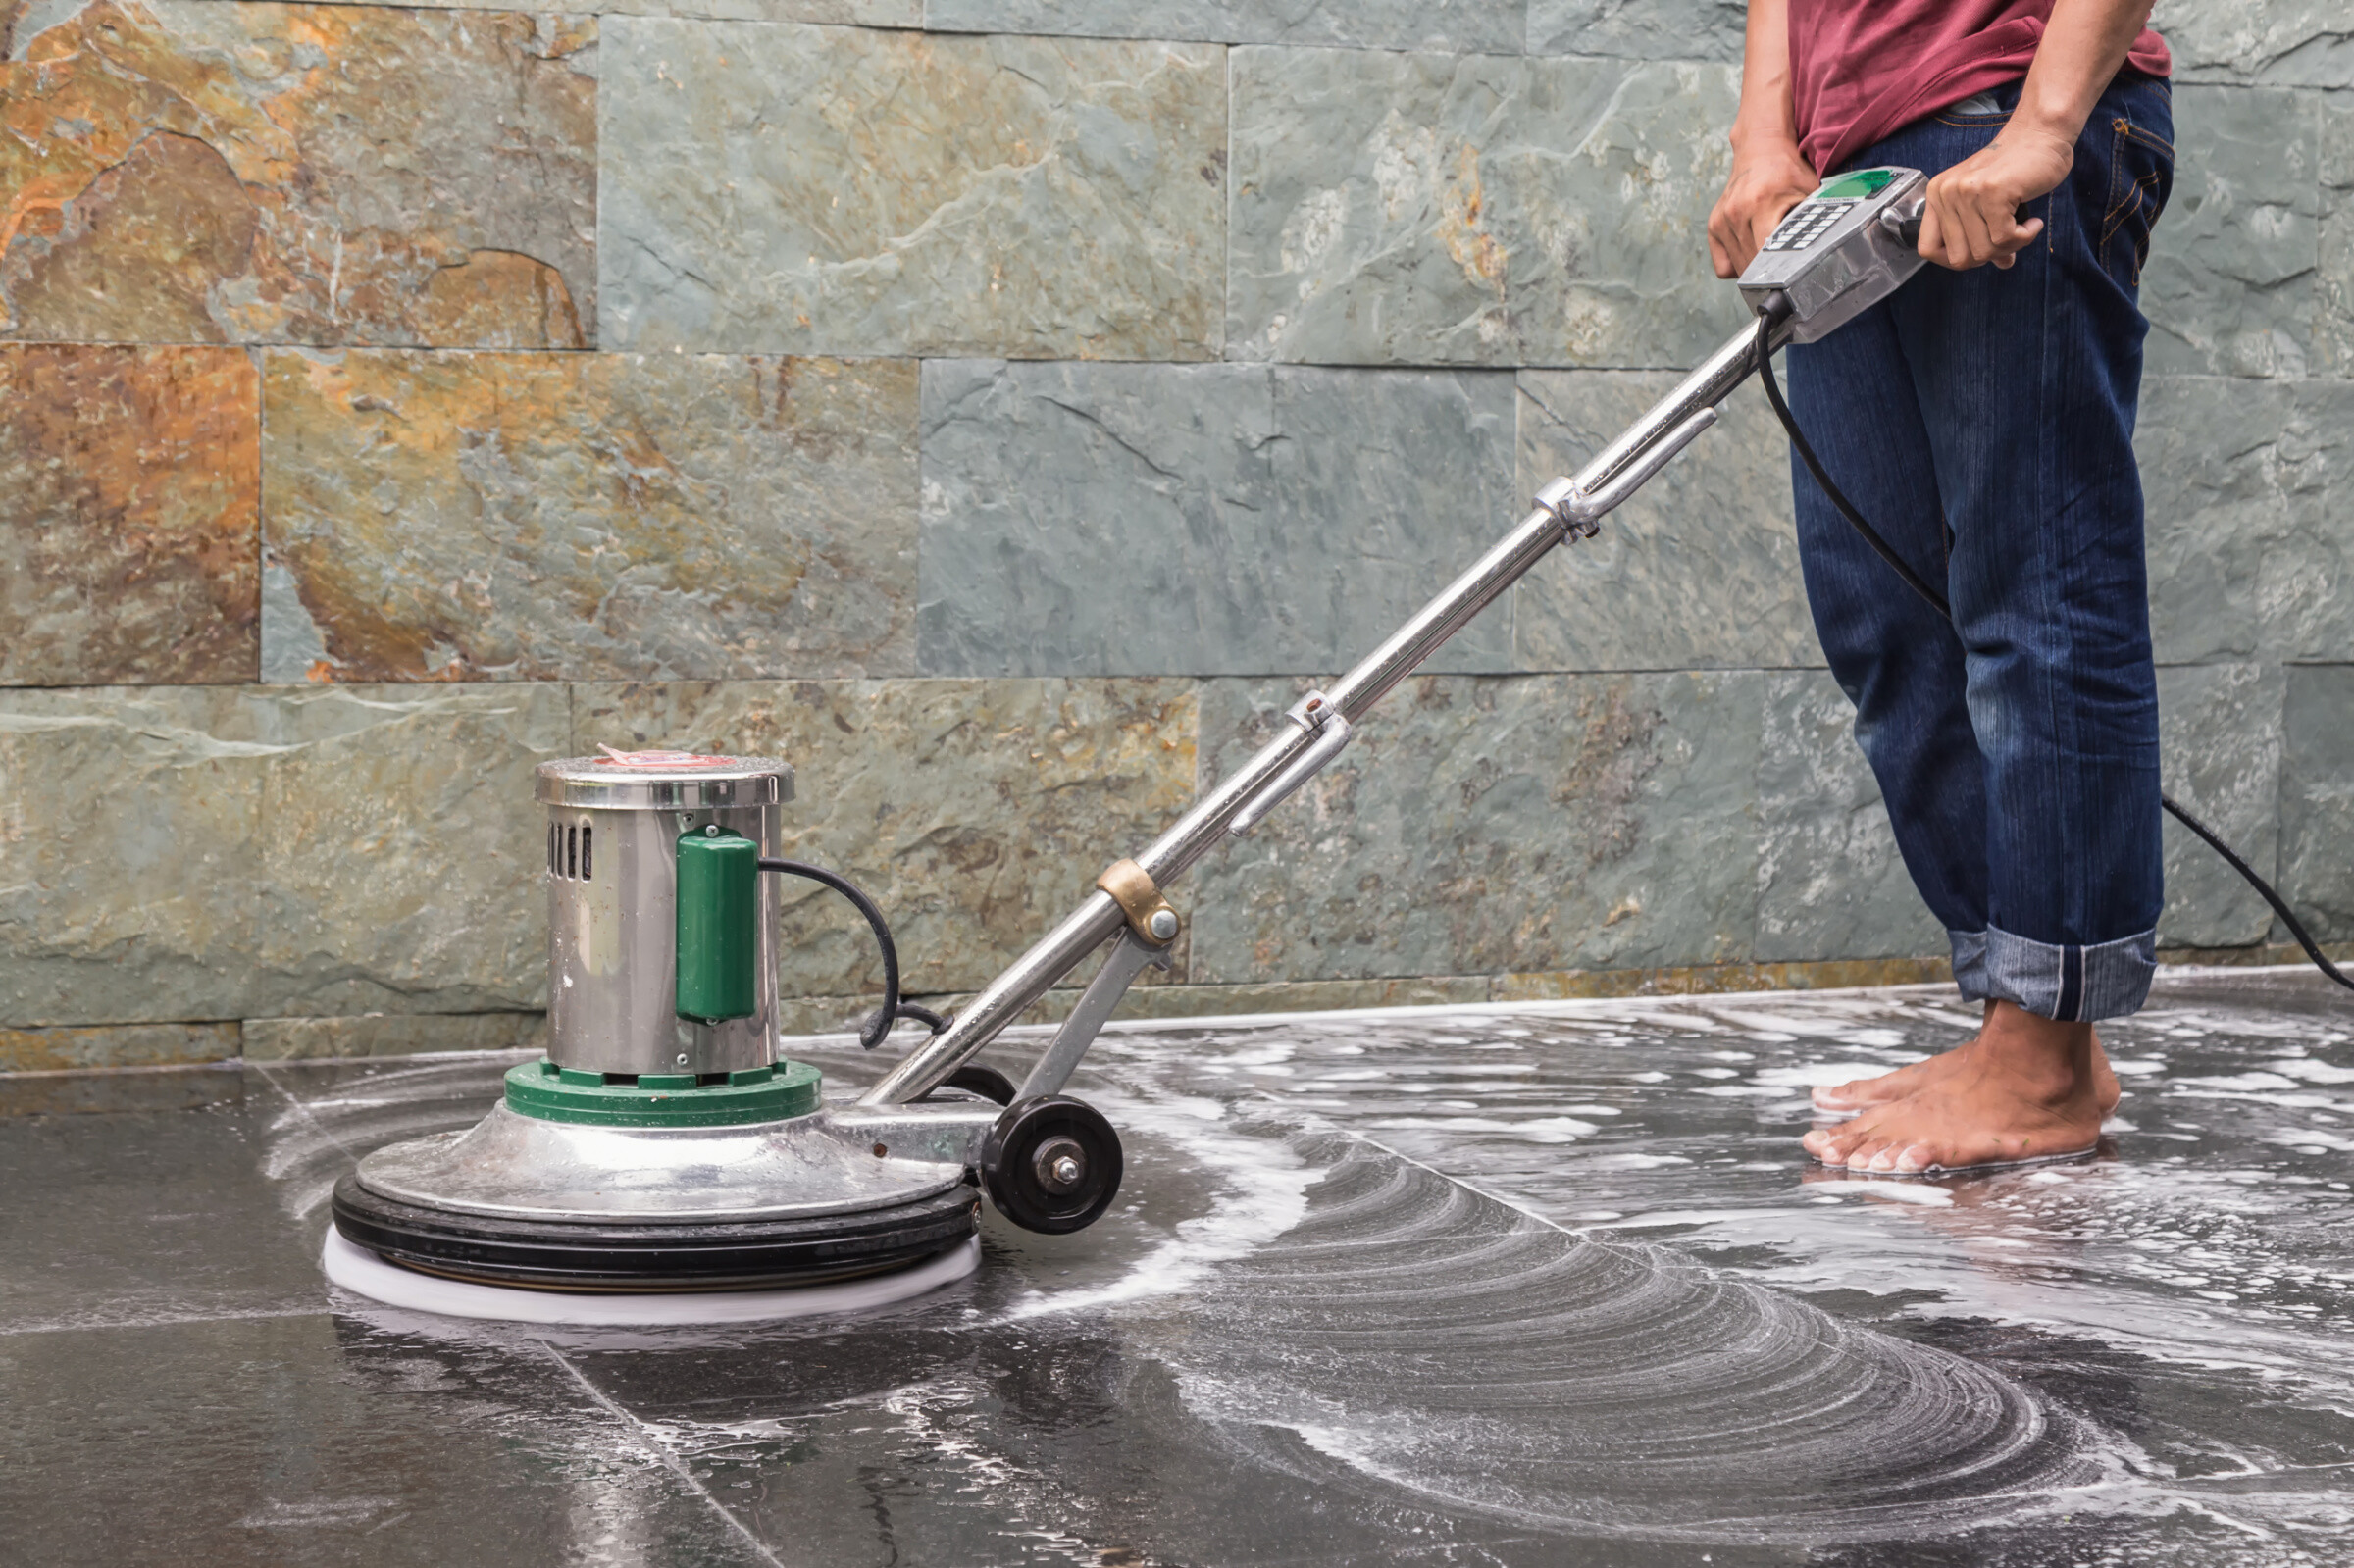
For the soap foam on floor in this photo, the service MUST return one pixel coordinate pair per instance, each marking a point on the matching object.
(359, 1270)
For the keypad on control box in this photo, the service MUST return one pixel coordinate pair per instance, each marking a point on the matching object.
(1806, 223)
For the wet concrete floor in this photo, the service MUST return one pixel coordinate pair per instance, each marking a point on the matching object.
(1503, 1287)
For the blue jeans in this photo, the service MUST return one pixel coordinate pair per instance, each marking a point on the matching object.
(1983, 421)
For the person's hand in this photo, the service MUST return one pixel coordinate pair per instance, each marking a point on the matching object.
(1972, 217)
(1767, 181)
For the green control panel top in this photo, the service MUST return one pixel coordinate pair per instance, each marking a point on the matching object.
(1859, 183)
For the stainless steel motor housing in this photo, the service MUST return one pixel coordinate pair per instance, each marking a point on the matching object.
(613, 826)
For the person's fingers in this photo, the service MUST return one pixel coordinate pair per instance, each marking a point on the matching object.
(1720, 257)
(2013, 237)
(1955, 233)
(1725, 230)
(1942, 217)
(1978, 232)
(1932, 243)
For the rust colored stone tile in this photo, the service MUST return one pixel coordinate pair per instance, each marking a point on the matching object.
(64, 1050)
(130, 514)
(196, 171)
(476, 516)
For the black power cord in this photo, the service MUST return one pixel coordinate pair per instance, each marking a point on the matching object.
(878, 1023)
(1767, 320)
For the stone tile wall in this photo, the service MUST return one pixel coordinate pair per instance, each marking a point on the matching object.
(1001, 408)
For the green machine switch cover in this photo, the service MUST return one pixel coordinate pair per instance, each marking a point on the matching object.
(1857, 184)
(719, 926)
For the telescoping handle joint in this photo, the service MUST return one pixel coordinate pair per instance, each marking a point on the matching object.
(1836, 258)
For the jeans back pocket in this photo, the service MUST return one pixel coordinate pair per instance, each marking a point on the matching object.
(2141, 176)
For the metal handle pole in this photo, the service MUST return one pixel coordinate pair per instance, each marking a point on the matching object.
(1565, 507)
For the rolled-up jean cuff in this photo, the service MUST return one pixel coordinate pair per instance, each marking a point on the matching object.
(1969, 964)
(2071, 982)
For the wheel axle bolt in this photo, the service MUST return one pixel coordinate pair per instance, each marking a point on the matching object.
(1060, 1164)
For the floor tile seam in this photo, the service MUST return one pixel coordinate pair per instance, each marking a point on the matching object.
(1324, 1124)
(60, 1326)
(660, 1451)
(303, 1109)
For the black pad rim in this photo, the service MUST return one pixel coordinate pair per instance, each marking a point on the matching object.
(651, 1256)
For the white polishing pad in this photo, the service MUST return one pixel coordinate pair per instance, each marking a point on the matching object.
(357, 1269)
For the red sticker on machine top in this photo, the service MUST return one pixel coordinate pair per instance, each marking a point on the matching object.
(661, 759)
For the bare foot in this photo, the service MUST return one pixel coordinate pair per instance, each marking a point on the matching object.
(2023, 1090)
(1863, 1093)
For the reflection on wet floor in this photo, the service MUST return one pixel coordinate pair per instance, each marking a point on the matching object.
(1536, 1286)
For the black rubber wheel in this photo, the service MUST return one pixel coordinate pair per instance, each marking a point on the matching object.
(986, 1082)
(1051, 1164)
(735, 1255)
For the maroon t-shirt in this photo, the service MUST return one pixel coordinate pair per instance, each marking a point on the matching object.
(1859, 68)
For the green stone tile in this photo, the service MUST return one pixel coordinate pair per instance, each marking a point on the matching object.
(1830, 882)
(2333, 286)
(131, 872)
(843, 1015)
(1213, 519)
(1662, 30)
(778, 188)
(2306, 584)
(2303, 43)
(399, 862)
(1475, 209)
(839, 12)
(2229, 287)
(216, 852)
(1459, 25)
(2219, 747)
(1483, 824)
(2317, 808)
(1698, 571)
(2247, 486)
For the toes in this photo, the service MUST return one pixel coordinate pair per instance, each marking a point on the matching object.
(1827, 1144)
(1848, 1144)
(1854, 1144)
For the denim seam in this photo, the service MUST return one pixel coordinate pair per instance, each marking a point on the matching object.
(2123, 131)
(2112, 202)
(2150, 137)
(2055, 608)
(2147, 183)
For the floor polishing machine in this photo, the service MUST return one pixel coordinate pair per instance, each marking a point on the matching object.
(665, 1146)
